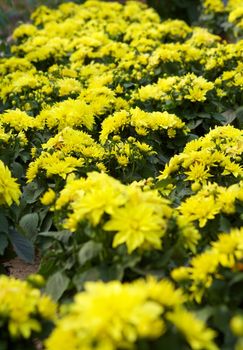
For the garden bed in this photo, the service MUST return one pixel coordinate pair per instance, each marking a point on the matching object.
(121, 164)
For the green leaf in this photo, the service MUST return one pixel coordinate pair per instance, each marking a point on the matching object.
(220, 118)
(205, 313)
(104, 273)
(17, 170)
(92, 274)
(3, 243)
(62, 236)
(224, 224)
(57, 284)
(3, 223)
(239, 115)
(221, 318)
(22, 246)
(29, 225)
(31, 192)
(88, 251)
(47, 222)
(236, 279)
(194, 124)
(230, 116)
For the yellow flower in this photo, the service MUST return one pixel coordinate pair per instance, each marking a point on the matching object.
(141, 222)
(199, 88)
(110, 315)
(23, 308)
(137, 226)
(68, 86)
(17, 119)
(229, 248)
(48, 197)
(97, 195)
(180, 274)
(197, 172)
(189, 235)
(197, 335)
(207, 209)
(236, 325)
(9, 189)
(213, 6)
(227, 251)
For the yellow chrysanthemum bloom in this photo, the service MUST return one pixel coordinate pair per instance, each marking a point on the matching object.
(110, 315)
(9, 189)
(226, 252)
(115, 315)
(89, 199)
(138, 218)
(221, 148)
(143, 123)
(213, 6)
(23, 308)
(141, 222)
(213, 200)
(17, 119)
(68, 86)
(48, 197)
(197, 335)
(207, 209)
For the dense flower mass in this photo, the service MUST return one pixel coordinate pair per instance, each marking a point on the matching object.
(121, 164)
(23, 309)
(220, 149)
(213, 200)
(205, 268)
(113, 315)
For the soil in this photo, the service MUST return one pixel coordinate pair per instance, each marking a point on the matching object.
(20, 269)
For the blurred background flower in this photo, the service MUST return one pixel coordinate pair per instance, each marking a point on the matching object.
(14, 11)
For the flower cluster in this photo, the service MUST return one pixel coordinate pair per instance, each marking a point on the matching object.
(139, 218)
(115, 315)
(224, 254)
(216, 157)
(121, 157)
(24, 312)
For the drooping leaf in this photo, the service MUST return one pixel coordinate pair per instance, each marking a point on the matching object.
(23, 247)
